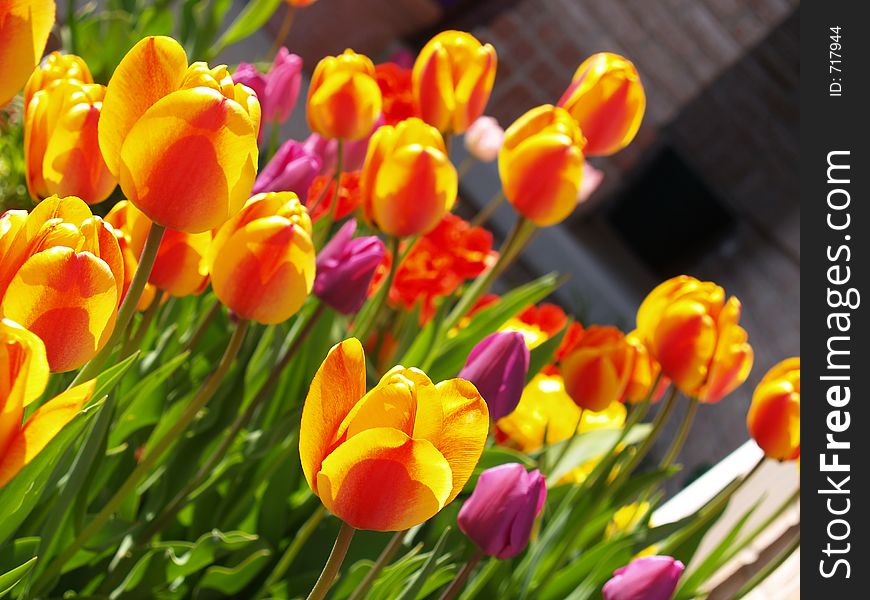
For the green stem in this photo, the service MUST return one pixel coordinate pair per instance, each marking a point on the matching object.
(456, 586)
(486, 212)
(373, 313)
(149, 460)
(465, 166)
(284, 31)
(682, 434)
(567, 445)
(128, 306)
(382, 561)
(135, 341)
(293, 551)
(194, 339)
(333, 563)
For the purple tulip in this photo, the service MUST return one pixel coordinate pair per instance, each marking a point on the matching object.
(499, 514)
(497, 367)
(345, 268)
(645, 578)
(354, 153)
(292, 169)
(282, 86)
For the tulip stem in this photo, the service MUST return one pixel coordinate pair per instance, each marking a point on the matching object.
(456, 586)
(373, 313)
(181, 498)
(128, 306)
(682, 434)
(284, 31)
(194, 339)
(149, 460)
(134, 341)
(293, 551)
(465, 166)
(382, 561)
(333, 563)
(489, 208)
(567, 445)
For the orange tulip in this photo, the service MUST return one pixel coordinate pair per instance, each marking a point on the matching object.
(300, 3)
(694, 334)
(344, 99)
(541, 164)
(645, 372)
(452, 79)
(607, 100)
(179, 268)
(61, 148)
(54, 69)
(774, 418)
(408, 182)
(182, 140)
(24, 29)
(262, 261)
(25, 374)
(597, 370)
(391, 458)
(61, 277)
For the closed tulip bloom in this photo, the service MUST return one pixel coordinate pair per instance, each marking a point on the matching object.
(695, 336)
(179, 267)
(645, 372)
(61, 147)
(499, 515)
(24, 366)
(484, 139)
(599, 367)
(452, 79)
(262, 260)
(541, 165)
(391, 458)
(292, 169)
(607, 100)
(61, 277)
(408, 182)
(55, 68)
(645, 578)
(774, 418)
(346, 267)
(282, 86)
(181, 139)
(344, 100)
(497, 367)
(24, 29)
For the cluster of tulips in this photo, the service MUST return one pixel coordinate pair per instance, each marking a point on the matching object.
(161, 366)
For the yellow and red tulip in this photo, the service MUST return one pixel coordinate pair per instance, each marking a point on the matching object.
(408, 182)
(24, 29)
(452, 79)
(61, 277)
(597, 370)
(607, 100)
(344, 99)
(24, 366)
(645, 373)
(541, 164)
(61, 147)
(774, 418)
(261, 261)
(55, 68)
(181, 139)
(391, 458)
(695, 336)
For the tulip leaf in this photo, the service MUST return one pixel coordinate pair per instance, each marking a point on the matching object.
(11, 578)
(617, 551)
(107, 380)
(232, 580)
(588, 446)
(416, 584)
(186, 558)
(253, 16)
(493, 457)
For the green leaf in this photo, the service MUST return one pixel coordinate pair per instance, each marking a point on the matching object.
(576, 573)
(253, 16)
(588, 446)
(232, 580)
(492, 457)
(107, 379)
(541, 356)
(416, 584)
(9, 579)
(187, 558)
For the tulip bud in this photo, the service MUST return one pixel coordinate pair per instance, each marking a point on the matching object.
(452, 79)
(61, 277)
(262, 260)
(56, 67)
(345, 268)
(645, 372)
(645, 578)
(484, 139)
(541, 165)
(597, 369)
(292, 169)
(774, 418)
(24, 29)
(282, 86)
(497, 367)
(61, 148)
(344, 100)
(181, 139)
(408, 182)
(500, 513)
(694, 335)
(607, 100)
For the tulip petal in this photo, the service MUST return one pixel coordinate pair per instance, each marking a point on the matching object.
(180, 265)
(24, 29)
(153, 68)
(684, 342)
(42, 426)
(382, 480)
(338, 385)
(24, 352)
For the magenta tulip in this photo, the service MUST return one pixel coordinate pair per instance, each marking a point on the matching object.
(353, 155)
(292, 169)
(645, 578)
(282, 86)
(499, 515)
(345, 268)
(497, 367)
